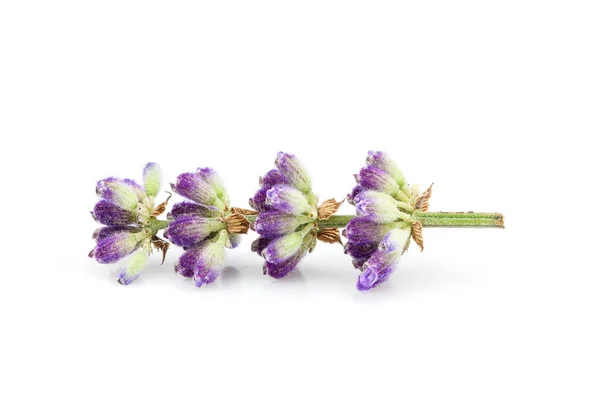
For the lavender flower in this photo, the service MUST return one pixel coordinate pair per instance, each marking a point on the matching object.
(128, 210)
(204, 226)
(381, 263)
(381, 232)
(288, 215)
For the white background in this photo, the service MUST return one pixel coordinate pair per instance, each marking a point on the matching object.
(495, 102)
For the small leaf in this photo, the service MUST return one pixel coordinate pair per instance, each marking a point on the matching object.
(243, 211)
(422, 202)
(161, 207)
(237, 223)
(161, 245)
(417, 234)
(328, 208)
(329, 235)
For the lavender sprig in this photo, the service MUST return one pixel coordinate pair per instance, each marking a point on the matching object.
(288, 219)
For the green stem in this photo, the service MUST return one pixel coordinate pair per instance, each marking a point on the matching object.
(427, 219)
(157, 224)
(335, 221)
(459, 219)
(433, 220)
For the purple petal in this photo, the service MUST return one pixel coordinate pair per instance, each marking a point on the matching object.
(372, 277)
(287, 199)
(194, 187)
(205, 276)
(203, 262)
(115, 246)
(378, 268)
(187, 207)
(272, 178)
(367, 279)
(259, 201)
(364, 230)
(281, 268)
(187, 261)
(260, 244)
(384, 162)
(381, 207)
(360, 250)
(121, 192)
(102, 233)
(283, 247)
(293, 171)
(213, 179)
(355, 191)
(189, 229)
(273, 223)
(108, 213)
(373, 178)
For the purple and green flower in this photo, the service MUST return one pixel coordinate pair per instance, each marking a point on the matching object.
(381, 232)
(204, 226)
(289, 216)
(128, 211)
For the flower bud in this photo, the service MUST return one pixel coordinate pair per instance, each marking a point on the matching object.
(384, 162)
(188, 229)
(364, 230)
(102, 233)
(195, 188)
(134, 265)
(373, 178)
(119, 192)
(116, 246)
(380, 207)
(108, 213)
(287, 199)
(187, 207)
(152, 179)
(210, 259)
(213, 179)
(382, 263)
(271, 224)
(293, 171)
(272, 178)
(283, 247)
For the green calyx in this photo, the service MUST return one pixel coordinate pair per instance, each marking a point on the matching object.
(154, 225)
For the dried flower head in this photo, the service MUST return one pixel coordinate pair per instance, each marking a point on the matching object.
(381, 232)
(128, 210)
(204, 226)
(288, 216)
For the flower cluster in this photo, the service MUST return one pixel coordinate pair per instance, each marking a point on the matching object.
(381, 232)
(203, 226)
(128, 212)
(287, 216)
